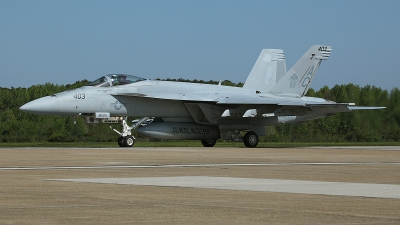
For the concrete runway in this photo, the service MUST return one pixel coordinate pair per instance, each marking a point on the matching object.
(332, 185)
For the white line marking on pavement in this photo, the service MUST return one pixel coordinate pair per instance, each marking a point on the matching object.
(190, 165)
(252, 184)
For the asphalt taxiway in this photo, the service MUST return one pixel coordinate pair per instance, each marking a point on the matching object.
(333, 185)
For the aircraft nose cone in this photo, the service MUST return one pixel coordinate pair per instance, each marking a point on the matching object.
(25, 107)
(43, 106)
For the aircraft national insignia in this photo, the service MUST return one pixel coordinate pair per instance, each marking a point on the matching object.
(117, 105)
(293, 80)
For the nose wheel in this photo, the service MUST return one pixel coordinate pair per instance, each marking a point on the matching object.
(127, 141)
(121, 141)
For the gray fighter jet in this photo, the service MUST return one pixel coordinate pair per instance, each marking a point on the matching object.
(189, 111)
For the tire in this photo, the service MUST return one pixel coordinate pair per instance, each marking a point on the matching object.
(208, 143)
(129, 141)
(121, 141)
(250, 139)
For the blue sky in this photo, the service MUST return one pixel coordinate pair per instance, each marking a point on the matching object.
(65, 41)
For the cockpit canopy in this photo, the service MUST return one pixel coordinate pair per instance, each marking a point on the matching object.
(114, 80)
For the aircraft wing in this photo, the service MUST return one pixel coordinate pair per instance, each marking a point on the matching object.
(339, 107)
(219, 98)
(198, 97)
(282, 101)
(289, 104)
(258, 100)
(352, 108)
(222, 99)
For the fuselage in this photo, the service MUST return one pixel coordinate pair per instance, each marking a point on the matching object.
(172, 101)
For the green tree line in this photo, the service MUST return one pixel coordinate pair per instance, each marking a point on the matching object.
(356, 126)
(362, 126)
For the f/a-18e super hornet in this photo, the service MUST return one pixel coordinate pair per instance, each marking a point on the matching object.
(190, 111)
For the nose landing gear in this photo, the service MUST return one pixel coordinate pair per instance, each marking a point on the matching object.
(126, 139)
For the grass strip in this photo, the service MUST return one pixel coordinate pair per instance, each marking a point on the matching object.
(191, 144)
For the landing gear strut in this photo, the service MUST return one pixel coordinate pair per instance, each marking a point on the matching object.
(126, 139)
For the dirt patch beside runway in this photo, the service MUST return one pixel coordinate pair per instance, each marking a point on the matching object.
(28, 197)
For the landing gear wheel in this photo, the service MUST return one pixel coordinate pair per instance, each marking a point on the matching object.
(121, 141)
(250, 139)
(129, 141)
(208, 143)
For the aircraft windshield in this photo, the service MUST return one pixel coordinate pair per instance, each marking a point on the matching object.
(114, 80)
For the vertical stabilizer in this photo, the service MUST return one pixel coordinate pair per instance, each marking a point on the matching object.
(297, 80)
(268, 69)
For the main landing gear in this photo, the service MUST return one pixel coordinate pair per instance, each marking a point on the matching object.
(126, 139)
(250, 139)
(208, 143)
